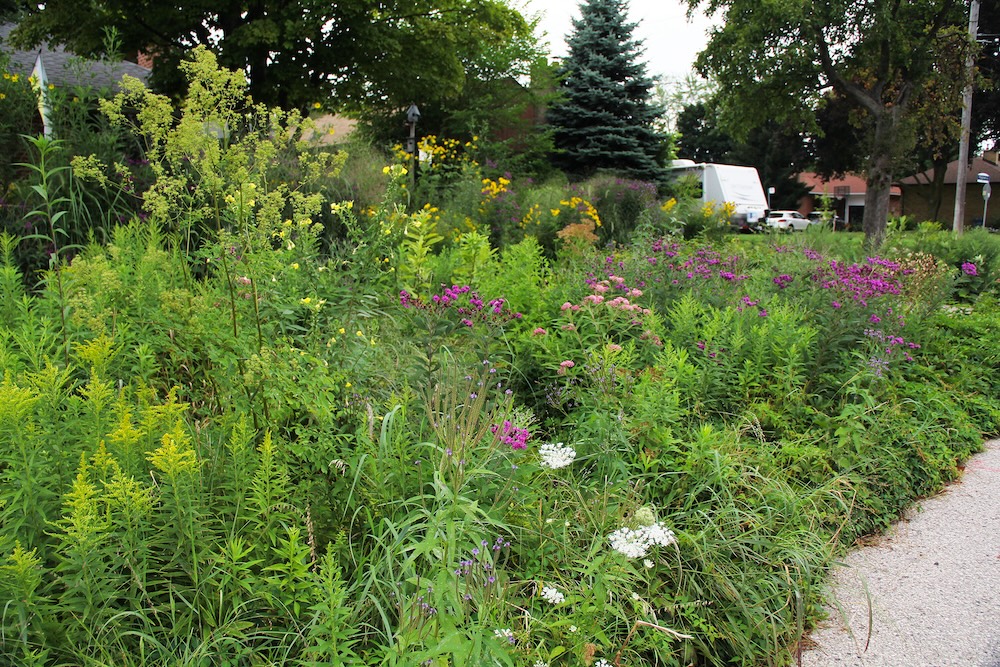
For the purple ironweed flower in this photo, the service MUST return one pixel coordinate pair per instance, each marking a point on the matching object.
(969, 269)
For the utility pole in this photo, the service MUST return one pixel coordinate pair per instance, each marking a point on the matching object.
(963, 146)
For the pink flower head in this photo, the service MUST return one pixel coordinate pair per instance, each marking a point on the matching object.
(567, 364)
(613, 347)
(539, 332)
(566, 306)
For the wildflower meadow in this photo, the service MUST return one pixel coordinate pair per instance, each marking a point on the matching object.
(470, 419)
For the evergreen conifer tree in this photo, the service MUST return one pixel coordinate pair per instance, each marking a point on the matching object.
(605, 119)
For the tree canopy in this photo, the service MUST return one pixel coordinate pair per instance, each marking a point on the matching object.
(606, 119)
(774, 60)
(296, 53)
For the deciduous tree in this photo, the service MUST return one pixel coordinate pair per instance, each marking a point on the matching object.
(773, 60)
(296, 53)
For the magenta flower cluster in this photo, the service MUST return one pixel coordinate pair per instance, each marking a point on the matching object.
(782, 281)
(465, 302)
(969, 269)
(703, 264)
(873, 278)
(892, 343)
(514, 436)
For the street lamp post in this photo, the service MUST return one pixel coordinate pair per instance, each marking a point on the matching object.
(412, 116)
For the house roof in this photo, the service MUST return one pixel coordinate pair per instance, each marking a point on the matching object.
(848, 184)
(979, 165)
(65, 69)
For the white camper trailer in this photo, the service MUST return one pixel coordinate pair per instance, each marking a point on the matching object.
(721, 183)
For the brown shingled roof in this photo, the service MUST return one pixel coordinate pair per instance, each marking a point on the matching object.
(979, 165)
(848, 184)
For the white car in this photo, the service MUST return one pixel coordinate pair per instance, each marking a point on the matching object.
(787, 220)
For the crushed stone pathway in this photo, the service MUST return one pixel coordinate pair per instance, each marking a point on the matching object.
(933, 582)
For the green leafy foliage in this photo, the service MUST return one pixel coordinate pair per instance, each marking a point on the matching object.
(228, 439)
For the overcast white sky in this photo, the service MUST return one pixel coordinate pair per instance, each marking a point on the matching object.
(671, 41)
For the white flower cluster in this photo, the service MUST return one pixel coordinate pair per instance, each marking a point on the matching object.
(602, 663)
(553, 595)
(635, 543)
(504, 633)
(556, 455)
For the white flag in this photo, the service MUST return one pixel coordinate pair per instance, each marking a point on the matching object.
(44, 104)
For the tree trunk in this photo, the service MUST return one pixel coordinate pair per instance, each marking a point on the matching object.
(879, 185)
(937, 186)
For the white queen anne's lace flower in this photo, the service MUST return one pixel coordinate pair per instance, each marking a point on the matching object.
(635, 542)
(556, 455)
(553, 595)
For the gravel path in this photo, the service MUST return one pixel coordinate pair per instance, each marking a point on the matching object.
(933, 583)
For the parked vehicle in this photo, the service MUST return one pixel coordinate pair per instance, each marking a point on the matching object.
(787, 221)
(819, 218)
(728, 183)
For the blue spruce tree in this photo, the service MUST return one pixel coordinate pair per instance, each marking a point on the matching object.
(605, 118)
